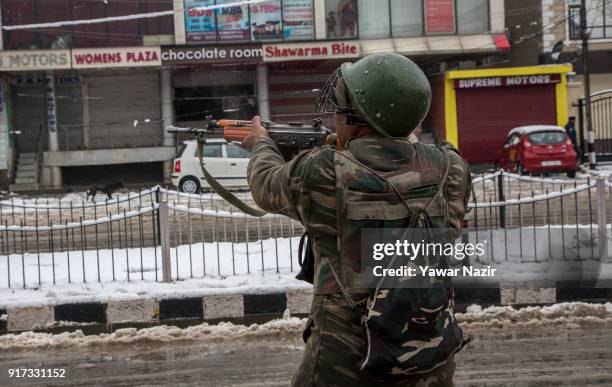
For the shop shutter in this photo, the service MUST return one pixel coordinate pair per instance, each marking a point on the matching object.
(116, 100)
(486, 115)
(29, 113)
(69, 105)
(293, 92)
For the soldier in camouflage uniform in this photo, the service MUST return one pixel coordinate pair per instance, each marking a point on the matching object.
(378, 101)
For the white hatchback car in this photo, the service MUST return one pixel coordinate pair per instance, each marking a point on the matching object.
(227, 162)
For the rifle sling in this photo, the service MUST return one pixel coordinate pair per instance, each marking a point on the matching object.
(222, 191)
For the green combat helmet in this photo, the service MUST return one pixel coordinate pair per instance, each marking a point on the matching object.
(386, 90)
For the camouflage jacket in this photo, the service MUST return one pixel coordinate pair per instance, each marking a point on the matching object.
(305, 188)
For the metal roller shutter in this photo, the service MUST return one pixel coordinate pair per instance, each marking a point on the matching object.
(69, 105)
(486, 115)
(293, 92)
(116, 100)
(29, 113)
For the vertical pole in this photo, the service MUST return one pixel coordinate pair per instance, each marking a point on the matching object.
(85, 111)
(164, 238)
(587, 84)
(502, 198)
(602, 223)
(167, 110)
(263, 99)
(583, 140)
(56, 172)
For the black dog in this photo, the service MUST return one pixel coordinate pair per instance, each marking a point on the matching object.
(108, 189)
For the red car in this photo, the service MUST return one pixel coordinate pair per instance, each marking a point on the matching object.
(538, 149)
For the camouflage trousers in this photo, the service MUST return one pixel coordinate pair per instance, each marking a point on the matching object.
(334, 346)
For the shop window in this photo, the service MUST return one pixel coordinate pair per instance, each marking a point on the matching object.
(374, 18)
(231, 102)
(440, 18)
(341, 18)
(472, 16)
(124, 33)
(158, 25)
(89, 35)
(298, 19)
(16, 12)
(599, 19)
(266, 21)
(407, 18)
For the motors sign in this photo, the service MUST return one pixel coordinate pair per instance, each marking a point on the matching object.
(308, 51)
(116, 57)
(519, 80)
(199, 55)
(34, 60)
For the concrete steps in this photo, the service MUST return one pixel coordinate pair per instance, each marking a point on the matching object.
(26, 178)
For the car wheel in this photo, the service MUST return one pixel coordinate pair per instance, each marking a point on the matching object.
(190, 185)
(571, 174)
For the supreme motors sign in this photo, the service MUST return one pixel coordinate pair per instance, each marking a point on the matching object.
(116, 57)
(34, 60)
(519, 80)
(308, 51)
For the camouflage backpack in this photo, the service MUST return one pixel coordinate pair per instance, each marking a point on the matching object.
(408, 330)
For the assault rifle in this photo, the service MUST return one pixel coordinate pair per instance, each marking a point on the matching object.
(290, 138)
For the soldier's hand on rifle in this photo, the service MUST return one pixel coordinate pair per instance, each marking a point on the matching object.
(257, 132)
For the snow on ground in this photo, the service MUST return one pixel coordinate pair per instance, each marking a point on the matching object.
(223, 332)
(568, 315)
(218, 259)
(269, 282)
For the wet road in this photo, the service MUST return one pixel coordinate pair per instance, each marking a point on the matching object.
(536, 356)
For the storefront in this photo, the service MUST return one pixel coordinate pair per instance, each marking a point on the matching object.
(475, 109)
(217, 81)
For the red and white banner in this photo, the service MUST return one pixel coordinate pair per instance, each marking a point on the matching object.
(116, 57)
(308, 51)
(440, 16)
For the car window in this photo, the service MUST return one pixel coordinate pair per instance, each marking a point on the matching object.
(547, 138)
(516, 139)
(211, 150)
(512, 140)
(181, 151)
(235, 151)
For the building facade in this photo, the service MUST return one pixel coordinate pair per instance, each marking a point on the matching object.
(84, 103)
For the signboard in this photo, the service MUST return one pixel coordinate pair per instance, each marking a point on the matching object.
(520, 80)
(439, 16)
(266, 21)
(116, 57)
(200, 24)
(298, 19)
(34, 60)
(4, 137)
(38, 79)
(308, 51)
(197, 55)
(51, 105)
(233, 21)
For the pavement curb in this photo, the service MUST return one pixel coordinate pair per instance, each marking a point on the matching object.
(259, 307)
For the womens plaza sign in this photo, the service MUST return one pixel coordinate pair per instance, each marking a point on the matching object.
(116, 57)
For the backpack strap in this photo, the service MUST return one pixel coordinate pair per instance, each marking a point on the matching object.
(413, 218)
